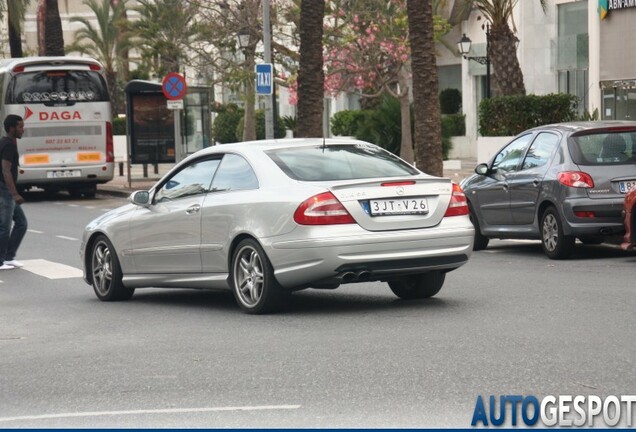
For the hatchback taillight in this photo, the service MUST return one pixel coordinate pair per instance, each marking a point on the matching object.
(322, 209)
(576, 179)
(458, 205)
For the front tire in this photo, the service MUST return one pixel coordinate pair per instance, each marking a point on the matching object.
(106, 272)
(418, 286)
(556, 244)
(480, 241)
(255, 288)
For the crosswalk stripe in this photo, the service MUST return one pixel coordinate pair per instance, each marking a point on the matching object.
(51, 270)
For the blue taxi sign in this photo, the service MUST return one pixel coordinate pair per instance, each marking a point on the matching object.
(264, 79)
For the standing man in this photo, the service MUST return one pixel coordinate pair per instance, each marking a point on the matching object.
(10, 199)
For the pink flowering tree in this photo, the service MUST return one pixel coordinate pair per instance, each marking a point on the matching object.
(366, 52)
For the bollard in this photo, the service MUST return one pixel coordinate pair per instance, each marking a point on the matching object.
(121, 169)
(156, 164)
(145, 170)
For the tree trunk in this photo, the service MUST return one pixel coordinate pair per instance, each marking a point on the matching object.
(249, 115)
(428, 124)
(50, 35)
(311, 77)
(122, 29)
(406, 145)
(15, 38)
(502, 51)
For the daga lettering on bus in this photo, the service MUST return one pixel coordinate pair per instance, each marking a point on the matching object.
(64, 115)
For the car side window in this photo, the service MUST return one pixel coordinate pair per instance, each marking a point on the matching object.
(509, 158)
(193, 179)
(234, 173)
(541, 150)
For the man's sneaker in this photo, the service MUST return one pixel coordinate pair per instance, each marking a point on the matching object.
(14, 263)
(6, 266)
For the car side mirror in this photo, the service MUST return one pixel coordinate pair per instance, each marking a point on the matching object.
(141, 198)
(482, 169)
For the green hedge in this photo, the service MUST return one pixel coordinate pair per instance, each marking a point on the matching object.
(347, 122)
(226, 122)
(511, 115)
(453, 125)
(279, 132)
(450, 101)
(382, 125)
(119, 126)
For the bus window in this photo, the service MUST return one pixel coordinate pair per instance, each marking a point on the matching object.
(55, 87)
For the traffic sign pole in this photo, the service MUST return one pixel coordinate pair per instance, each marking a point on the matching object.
(174, 88)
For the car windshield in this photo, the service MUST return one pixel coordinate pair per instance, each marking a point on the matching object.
(607, 148)
(339, 162)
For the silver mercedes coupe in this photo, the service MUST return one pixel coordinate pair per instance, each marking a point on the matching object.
(267, 218)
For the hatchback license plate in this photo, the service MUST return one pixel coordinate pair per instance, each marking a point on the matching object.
(398, 206)
(63, 173)
(626, 186)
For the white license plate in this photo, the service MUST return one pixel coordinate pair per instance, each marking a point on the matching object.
(398, 206)
(626, 186)
(63, 174)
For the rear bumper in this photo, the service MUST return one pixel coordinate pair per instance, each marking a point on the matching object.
(370, 256)
(93, 174)
(607, 220)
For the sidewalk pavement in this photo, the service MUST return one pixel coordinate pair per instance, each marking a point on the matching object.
(143, 179)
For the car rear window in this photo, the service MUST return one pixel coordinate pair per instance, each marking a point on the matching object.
(608, 148)
(339, 162)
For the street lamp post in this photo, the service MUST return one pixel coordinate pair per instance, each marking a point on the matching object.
(464, 49)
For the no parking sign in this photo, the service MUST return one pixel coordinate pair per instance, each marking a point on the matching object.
(174, 86)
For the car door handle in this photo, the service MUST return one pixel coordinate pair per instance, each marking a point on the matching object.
(193, 209)
(535, 183)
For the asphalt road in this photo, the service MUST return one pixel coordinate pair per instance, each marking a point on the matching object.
(509, 322)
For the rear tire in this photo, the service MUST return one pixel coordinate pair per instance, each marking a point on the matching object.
(418, 286)
(255, 288)
(556, 244)
(106, 273)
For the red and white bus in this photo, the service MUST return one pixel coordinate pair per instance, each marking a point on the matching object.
(68, 138)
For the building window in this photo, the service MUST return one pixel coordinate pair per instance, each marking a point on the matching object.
(572, 51)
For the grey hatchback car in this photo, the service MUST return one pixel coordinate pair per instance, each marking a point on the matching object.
(556, 183)
(266, 218)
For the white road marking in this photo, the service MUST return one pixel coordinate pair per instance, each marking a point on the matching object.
(67, 238)
(35, 231)
(150, 411)
(51, 270)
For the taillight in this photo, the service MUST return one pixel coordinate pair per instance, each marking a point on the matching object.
(322, 209)
(577, 179)
(18, 69)
(110, 148)
(458, 205)
(95, 67)
(585, 214)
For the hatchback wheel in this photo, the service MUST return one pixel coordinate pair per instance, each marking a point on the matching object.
(418, 286)
(252, 280)
(106, 272)
(556, 245)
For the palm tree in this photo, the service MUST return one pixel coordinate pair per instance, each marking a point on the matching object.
(122, 36)
(165, 30)
(502, 49)
(102, 42)
(311, 76)
(428, 133)
(50, 35)
(15, 18)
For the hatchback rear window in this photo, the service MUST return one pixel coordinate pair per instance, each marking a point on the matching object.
(339, 162)
(608, 148)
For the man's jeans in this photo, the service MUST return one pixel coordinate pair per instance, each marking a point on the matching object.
(10, 239)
